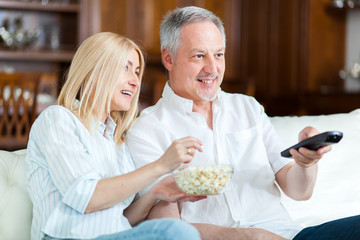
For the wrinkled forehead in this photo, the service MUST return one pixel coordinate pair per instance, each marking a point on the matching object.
(201, 34)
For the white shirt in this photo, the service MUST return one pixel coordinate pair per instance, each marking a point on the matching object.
(64, 163)
(242, 136)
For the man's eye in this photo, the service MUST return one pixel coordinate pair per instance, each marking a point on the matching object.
(220, 55)
(199, 56)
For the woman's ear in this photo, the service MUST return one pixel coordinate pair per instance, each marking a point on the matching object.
(167, 59)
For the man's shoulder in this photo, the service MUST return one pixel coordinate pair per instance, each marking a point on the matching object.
(151, 112)
(239, 96)
(149, 117)
(238, 100)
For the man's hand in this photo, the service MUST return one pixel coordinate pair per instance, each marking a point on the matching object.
(297, 180)
(305, 157)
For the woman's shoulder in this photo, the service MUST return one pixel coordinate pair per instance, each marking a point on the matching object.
(55, 113)
(55, 108)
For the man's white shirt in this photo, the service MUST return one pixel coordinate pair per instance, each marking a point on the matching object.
(242, 136)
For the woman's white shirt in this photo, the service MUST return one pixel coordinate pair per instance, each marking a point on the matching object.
(63, 165)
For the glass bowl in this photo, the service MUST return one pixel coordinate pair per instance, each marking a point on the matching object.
(203, 180)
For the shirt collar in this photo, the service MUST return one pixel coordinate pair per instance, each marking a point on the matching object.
(97, 125)
(181, 103)
(108, 128)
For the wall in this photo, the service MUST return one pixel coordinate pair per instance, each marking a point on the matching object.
(352, 47)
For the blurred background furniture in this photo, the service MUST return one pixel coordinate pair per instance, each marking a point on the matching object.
(290, 51)
(18, 108)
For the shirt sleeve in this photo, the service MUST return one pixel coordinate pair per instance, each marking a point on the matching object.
(146, 146)
(273, 143)
(60, 138)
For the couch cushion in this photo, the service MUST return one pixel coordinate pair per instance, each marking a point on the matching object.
(336, 194)
(15, 204)
(337, 191)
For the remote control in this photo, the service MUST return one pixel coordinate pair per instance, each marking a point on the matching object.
(316, 142)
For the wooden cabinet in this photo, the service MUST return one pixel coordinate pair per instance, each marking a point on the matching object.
(288, 49)
(57, 26)
(293, 48)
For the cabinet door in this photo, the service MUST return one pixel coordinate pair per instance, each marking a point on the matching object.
(290, 48)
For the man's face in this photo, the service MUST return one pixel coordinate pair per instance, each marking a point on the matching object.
(198, 69)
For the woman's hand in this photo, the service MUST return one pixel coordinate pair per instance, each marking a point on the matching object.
(168, 190)
(180, 151)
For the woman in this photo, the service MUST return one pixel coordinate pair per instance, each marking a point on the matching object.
(80, 176)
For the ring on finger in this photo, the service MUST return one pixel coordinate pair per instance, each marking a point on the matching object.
(189, 150)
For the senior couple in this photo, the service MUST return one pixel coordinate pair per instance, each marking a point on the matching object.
(94, 173)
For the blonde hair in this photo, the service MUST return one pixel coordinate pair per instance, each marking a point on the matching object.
(92, 77)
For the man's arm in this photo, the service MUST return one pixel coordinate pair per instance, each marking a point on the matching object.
(297, 179)
(214, 232)
(211, 231)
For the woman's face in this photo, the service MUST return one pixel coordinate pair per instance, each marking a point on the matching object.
(127, 84)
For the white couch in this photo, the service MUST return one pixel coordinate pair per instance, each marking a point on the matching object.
(337, 190)
(336, 195)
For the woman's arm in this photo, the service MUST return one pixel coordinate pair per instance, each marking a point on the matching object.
(111, 191)
(166, 191)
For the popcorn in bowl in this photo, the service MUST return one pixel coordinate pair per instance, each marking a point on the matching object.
(203, 180)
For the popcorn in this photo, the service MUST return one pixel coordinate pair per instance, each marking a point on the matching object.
(203, 180)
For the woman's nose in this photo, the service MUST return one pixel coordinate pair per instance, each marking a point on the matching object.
(134, 81)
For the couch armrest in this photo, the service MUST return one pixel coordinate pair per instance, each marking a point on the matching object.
(15, 204)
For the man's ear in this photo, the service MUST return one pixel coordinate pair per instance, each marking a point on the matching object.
(167, 59)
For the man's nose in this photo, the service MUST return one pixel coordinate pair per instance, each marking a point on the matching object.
(210, 65)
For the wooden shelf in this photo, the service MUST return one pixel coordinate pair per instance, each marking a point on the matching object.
(56, 56)
(37, 6)
(336, 102)
(56, 10)
(343, 7)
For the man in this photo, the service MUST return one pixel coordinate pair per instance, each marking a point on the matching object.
(233, 129)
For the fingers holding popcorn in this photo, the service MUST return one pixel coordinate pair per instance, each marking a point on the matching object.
(180, 151)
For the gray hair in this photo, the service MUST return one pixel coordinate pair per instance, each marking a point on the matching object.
(173, 22)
